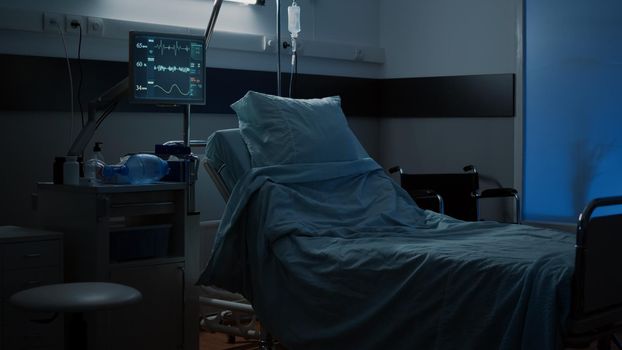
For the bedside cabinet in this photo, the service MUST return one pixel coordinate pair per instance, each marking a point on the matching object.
(29, 258)
(136, 235)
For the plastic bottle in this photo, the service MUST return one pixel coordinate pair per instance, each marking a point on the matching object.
(71, 171)
(97, 152)
(93, 167)
(136, 169)
(93, 170)
(293, 19)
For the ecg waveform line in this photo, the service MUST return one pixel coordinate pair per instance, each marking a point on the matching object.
(161, 68)
(169, 91)
(176, 48)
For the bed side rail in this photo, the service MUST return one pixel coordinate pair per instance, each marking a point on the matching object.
(597, 289)
(218, 182)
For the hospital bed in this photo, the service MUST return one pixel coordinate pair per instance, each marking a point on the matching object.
(226, 160)
(225, 312)
(316, 295)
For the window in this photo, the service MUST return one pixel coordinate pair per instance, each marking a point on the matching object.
(573, 111)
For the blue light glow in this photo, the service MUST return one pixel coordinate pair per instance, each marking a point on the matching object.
(573, 111)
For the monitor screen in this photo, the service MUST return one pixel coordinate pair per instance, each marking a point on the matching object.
(167, 68)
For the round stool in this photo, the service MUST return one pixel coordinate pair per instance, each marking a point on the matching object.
(76, 298)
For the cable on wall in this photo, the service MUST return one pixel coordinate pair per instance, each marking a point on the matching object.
(107, 111)
(81, 73)
(62, 36)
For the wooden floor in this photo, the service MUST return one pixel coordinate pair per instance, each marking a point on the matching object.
(219, 341)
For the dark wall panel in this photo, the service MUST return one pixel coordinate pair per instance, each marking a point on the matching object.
(490, 95)
(359, 96)
(41, 84)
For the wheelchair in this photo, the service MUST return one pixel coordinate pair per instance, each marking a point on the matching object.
(455, 194)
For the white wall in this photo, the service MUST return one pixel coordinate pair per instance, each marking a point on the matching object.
(39, 136)
(420, 38)
(321, 19)
(323, 32)
(449, 37)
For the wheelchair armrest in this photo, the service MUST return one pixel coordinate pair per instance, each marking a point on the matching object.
(395, 169)
(423, 193)
(501, 192)
(498, 192)
(426, 194)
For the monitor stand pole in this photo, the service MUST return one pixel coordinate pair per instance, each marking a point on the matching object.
(187, 125)
(192, 164)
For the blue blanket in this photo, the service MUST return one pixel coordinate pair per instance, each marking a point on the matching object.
(338, 256)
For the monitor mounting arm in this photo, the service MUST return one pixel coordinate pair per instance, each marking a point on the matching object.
(119, 90)
(114, 94)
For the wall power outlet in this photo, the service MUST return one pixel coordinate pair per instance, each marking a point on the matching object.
(73, 24)
(53, 21)
(95, 26)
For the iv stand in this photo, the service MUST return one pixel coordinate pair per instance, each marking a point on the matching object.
(193, 160)
(278, 48)
(193, 164)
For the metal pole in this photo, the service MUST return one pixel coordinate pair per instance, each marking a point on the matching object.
(187, 125)
(212, 22)
(278, 47)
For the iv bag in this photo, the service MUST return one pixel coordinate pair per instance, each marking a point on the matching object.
(293, 19)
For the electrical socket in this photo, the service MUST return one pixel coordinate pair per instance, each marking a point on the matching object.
(359, 55)
(95, 26)
(53, 21)
(70, 24)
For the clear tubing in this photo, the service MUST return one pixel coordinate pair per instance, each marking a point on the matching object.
(293, 25)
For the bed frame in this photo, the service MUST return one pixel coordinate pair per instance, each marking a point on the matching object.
(596, 306)
(236, 308)
(596, 309)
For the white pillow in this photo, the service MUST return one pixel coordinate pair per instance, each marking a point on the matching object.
(280, 130)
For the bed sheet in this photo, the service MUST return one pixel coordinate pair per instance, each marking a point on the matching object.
(337, 255)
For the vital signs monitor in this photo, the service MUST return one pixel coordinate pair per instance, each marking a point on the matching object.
(166, 68)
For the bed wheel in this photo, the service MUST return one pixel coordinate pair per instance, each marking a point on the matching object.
(604, 343)
(265, 340)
